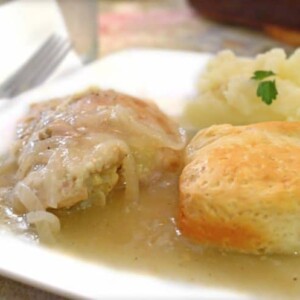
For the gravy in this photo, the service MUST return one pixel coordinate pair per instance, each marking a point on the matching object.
(144, 238)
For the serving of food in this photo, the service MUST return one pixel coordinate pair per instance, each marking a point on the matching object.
(228, 90)
(112, 179)
(81, 148)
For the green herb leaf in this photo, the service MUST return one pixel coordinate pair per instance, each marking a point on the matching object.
(260, 74)
(267, 91)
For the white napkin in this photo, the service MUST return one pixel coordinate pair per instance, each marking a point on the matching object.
(24, 26)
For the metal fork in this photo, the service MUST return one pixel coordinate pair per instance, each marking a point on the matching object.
(38, 68)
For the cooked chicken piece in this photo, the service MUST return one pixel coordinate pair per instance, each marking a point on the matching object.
(81, 147)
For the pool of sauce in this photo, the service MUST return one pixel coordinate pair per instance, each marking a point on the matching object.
(144, 238)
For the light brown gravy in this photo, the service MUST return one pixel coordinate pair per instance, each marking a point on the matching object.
(144, 238)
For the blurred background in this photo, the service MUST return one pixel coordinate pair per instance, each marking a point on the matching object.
(245, 26)
(191, 25)
(99, 27)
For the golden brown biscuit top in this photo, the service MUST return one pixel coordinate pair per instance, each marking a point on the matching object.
(240, 187)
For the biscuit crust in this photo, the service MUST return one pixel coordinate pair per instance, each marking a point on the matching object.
(240, 188)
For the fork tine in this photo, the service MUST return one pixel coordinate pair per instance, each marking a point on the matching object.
(39, 66)
(51, 66)
(32, 61)
(22, 79)
(28, 79)
(22, 82)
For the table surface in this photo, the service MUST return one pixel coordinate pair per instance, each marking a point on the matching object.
(162, 24)
(12, 290)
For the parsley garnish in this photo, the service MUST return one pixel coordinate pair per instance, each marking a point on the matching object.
(266, 90)
(260, 75)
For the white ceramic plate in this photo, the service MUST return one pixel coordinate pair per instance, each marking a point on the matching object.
(169, 78)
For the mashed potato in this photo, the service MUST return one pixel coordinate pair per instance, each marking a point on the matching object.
(227, 94)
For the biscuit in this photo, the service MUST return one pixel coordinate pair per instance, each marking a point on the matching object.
(240, 188)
